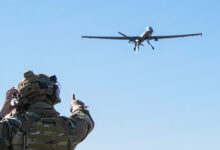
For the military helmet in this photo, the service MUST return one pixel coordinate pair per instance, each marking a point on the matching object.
(38, 87)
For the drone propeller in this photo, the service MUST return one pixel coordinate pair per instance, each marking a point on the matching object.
(136, 47)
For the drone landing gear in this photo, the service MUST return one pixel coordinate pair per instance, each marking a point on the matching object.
(136, 47)
(150, 44)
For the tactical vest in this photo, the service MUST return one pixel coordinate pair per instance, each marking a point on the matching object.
(43, 134)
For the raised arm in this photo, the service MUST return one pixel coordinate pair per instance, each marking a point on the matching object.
(81, 120)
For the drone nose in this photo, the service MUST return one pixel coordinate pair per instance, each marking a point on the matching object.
(150, 29)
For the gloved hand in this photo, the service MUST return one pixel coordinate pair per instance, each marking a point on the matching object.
(76, 104)
(7, 107)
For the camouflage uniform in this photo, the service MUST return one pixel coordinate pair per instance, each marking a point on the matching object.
(13, 130)
(36, 125)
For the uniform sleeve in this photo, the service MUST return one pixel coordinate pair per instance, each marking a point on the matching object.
(4, 136)
(82, 124)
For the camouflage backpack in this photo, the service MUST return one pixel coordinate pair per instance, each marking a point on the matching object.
(43, 134)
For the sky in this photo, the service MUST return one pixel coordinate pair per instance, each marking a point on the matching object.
(166, 99)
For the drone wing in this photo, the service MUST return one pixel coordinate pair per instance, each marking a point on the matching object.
(113, 37)
(173, 36)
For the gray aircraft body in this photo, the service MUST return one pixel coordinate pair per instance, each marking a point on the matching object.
(138, 40)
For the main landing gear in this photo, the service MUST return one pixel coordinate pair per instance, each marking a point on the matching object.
(150, 44)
